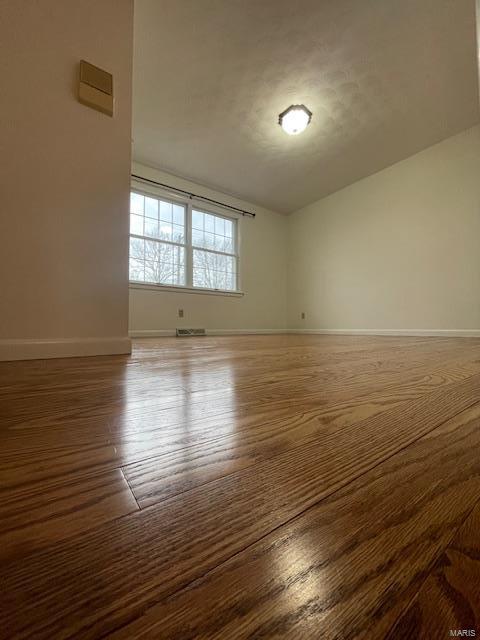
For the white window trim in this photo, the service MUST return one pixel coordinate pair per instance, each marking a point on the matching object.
(189, 203)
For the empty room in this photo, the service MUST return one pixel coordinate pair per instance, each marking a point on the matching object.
(240, 319)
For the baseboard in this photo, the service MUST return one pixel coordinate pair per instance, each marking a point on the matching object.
(244, 332)
(154, 333)
(210, 332)
(33, 349)
(454, 333)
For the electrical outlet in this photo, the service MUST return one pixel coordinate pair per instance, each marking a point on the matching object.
(180, 313)
(303, 315)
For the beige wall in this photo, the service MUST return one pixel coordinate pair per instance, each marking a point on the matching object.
(64, 179)
(399, 250)
(262, 272)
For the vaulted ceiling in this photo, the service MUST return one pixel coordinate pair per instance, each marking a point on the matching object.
(384, 79)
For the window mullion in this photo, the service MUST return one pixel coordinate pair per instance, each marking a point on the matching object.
(189, 249)
(157, 240)
(218, 253)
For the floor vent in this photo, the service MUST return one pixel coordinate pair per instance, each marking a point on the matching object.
(191, 332)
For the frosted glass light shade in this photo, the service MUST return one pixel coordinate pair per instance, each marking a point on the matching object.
(295, 119)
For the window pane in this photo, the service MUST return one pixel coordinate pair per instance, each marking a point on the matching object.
(203, 268)
(178, 265)
(197, 220)
(136, 203)
(165, 211)
(221, 263)
(151, 208)
(165, 231)
(136, 270)
(178, 215)
(199, 278)
(179, 255)
(218, 234)
(209, 242)
(221, 280)
(164, 264)
(228, 245)
(166, 254)
(198, 239)
(153, 251)
(151, 227)
(178, 233)
(151, 272)
(229, 228)
(209, 223)
(180, 275)
(136, 224)
(220, 243)
(213, 271)
(220, 226)
(137, 250)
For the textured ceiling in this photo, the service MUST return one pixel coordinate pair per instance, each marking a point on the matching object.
(384, 79)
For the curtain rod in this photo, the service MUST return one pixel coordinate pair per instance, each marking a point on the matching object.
(193, 195)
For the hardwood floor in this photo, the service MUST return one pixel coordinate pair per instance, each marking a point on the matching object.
(286, 486)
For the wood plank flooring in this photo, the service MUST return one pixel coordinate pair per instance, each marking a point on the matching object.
(450, 595)
(243, 487)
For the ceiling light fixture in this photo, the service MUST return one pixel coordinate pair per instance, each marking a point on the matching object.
(295, 119)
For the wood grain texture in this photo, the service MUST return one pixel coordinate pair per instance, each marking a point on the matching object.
(449, 599)
(344, 568)
(44, 513)
(159, 550)
(253, 441)
(144, 420)
(226, 443)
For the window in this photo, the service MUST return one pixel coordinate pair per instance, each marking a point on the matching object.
(157, 241)
(175, 244)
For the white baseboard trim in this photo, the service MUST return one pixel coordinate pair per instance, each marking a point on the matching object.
(210, 332)
(33, 349)
(154, 333)
(244, 332)
(453, 333)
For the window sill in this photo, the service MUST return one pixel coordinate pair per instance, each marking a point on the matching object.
(177, 289)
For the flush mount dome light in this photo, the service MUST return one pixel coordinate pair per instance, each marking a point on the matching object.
(295, 119)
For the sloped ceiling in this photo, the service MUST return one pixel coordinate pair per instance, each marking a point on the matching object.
(384, 79)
